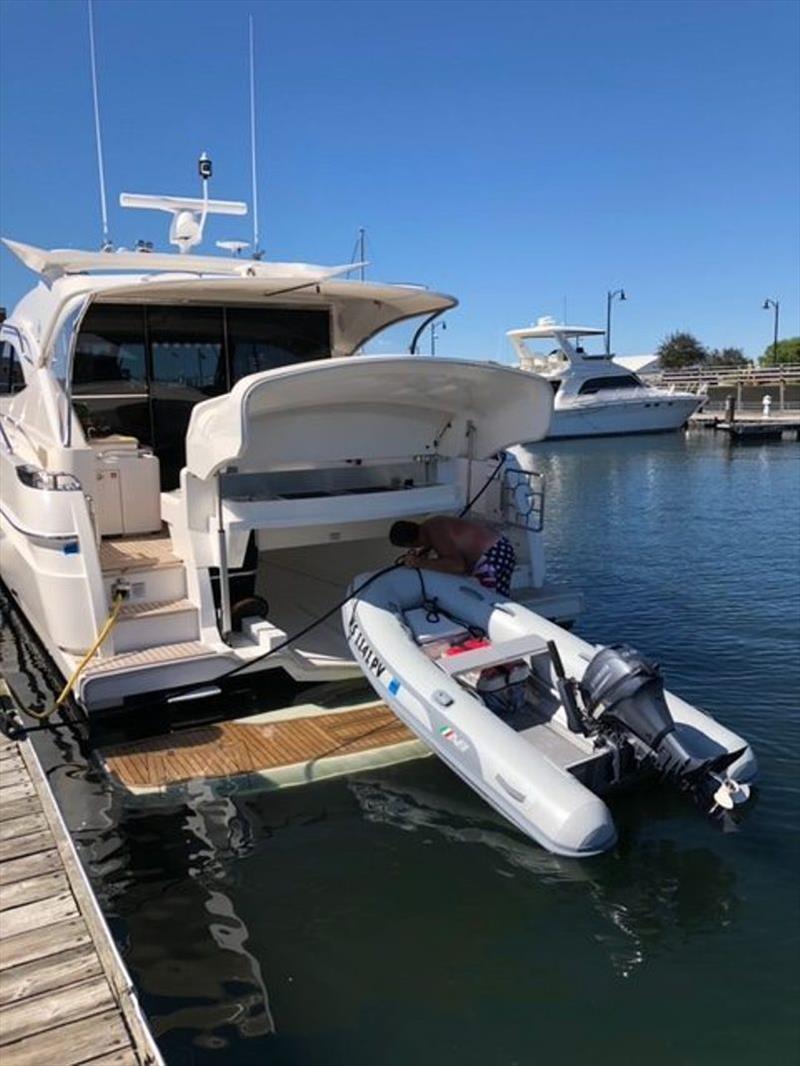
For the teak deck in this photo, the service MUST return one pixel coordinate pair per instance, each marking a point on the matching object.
(65, 996)
(279, 751)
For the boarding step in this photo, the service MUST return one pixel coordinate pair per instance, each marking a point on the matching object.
(147, 565)
(162, 655)
(145, 625)
(149, 552)
(107, 681)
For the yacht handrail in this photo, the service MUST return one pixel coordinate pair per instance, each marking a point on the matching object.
(34, 533)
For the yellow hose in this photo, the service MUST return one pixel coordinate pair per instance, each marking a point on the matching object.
(76, 673)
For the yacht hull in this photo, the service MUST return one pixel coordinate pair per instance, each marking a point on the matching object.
(610, 419)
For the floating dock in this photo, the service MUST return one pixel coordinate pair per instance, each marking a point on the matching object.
(65, 995)
(748, 426)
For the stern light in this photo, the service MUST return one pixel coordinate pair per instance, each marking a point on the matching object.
(36, 478)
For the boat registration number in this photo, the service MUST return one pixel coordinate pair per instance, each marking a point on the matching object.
(361, 645)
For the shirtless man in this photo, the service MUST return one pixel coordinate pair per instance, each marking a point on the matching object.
(461, 546)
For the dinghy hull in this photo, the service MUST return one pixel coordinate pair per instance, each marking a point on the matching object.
(537, 774)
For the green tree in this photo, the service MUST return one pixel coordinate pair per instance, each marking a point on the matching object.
(681, 349)
(788, 352)
(727, 357)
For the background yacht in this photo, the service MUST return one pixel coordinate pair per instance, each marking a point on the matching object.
(594, 396)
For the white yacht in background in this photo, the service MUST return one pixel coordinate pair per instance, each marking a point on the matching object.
(193, 467)
(594, 395)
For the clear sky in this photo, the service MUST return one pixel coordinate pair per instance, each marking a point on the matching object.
(523, 156)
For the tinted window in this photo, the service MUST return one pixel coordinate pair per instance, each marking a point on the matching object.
(619, 381)
(187, 351)
(11, 376)
(110, 351)
(266, 338)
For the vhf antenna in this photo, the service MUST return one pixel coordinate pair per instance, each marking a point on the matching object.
(257, 253)
(107, 243)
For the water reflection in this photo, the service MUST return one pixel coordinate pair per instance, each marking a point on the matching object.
(676, 891)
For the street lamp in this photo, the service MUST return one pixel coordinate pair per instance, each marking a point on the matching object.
(776, 304)
(434, 327)
(609, 299)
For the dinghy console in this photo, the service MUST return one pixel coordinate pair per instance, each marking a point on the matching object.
(623, 693)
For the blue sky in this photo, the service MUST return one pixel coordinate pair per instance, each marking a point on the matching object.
(522, 156)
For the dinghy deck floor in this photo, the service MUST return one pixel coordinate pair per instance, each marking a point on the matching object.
(270, 753)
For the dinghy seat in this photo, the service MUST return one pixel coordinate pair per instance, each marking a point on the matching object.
(489, 654)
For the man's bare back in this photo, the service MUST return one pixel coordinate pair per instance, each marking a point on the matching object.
(458, 539)
(459, 546)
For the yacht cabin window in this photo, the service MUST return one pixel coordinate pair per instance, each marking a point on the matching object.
(617, 381)
(11, 377)
(139, 370)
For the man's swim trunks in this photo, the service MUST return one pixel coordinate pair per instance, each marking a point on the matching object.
(495, 566)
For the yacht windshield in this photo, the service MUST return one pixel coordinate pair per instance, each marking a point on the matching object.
(139, 370)
(615, 381)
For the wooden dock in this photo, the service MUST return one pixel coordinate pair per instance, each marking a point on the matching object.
(65, 996)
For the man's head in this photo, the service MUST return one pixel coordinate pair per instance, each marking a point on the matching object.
(405, 535)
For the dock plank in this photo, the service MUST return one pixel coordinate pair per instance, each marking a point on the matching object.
(123, 1057)
(39, 943)
(42, 975)
(17, 808)
(68, 1045)
(65, 996)
(30, 1016)
(22, 826)
(30, 866)
(43, 912)
(27, 845)
(32, 889)
(15, 792)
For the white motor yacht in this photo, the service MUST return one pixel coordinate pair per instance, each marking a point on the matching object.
(194, 466)
(594, 396)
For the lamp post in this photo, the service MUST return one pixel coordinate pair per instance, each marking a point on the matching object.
(610, 296)
(776, 305)
(434, 327)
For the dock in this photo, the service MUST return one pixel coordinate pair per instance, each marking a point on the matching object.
(65, 995)
(749, 425)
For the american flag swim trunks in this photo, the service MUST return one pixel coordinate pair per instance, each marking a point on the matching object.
(495, 566)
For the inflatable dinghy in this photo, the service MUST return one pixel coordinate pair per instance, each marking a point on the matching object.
(539, 722)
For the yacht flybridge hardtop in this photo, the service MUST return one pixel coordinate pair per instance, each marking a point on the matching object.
(594, 396)
(194, 465)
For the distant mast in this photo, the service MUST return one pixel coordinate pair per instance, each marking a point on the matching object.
(107, 245)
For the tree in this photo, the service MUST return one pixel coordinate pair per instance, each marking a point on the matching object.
(788, 352)
(727, 357)
(679, 350)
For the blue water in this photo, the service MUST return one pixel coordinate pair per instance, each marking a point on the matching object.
(392, 918)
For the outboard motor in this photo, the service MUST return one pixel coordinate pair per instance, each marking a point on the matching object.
(624, 691)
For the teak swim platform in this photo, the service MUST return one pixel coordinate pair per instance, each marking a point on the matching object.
(275, 750)
(65, 995)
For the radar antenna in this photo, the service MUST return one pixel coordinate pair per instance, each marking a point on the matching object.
(188, 214)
